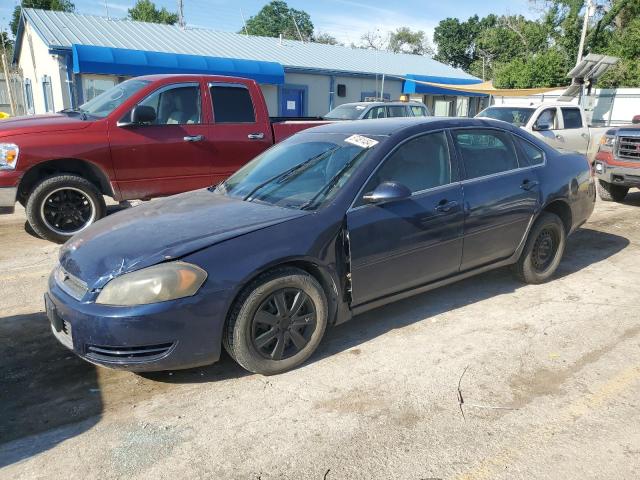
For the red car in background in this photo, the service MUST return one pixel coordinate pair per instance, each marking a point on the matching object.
(147, 137)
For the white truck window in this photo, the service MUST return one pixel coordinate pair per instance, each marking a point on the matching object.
(572, 118)
(548, 117)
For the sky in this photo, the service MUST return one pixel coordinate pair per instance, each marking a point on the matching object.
(347, 20)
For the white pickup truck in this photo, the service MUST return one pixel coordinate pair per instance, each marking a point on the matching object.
(562, 125)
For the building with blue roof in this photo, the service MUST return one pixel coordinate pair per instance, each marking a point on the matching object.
(68, 58)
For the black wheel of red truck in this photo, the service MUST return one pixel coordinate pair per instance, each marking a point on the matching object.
(612, 193)
(63, 205)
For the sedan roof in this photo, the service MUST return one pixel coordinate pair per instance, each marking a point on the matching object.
(388, 126)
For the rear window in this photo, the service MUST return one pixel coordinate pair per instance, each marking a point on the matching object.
(232, 105)
(532, 154)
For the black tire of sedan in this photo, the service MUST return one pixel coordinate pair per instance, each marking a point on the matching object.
(60, 206)
(612, 193)
(543, 251)
(277, 322)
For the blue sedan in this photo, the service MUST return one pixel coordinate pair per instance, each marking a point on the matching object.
(330, 223)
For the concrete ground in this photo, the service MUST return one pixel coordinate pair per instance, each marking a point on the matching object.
(551, 384)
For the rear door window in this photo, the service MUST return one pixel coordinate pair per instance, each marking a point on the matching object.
(232, 104)
(571, 117)
(485, 152)
(396, 111)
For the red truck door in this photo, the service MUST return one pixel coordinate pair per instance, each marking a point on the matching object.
(241, 128)
(168, 155)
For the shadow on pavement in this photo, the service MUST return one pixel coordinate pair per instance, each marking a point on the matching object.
(43, 385)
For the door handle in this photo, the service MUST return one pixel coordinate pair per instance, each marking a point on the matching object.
(445, 206)
(584, 135)
(194, 138)
(529, 184)
(558, 136)
(255, 136)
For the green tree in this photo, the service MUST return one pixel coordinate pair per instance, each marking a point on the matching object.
(456, 40)
(326, 39)
(60, 5)
(146, 11)
(277, 18)
(404, 40)
(544, 69)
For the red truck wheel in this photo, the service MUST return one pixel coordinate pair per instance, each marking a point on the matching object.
(63, 205)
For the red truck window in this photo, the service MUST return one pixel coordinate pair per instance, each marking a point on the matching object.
(232, 104)
(175, 105)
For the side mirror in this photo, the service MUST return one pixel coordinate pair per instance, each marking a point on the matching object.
(387, 192)
(140, 115)
(636, 119)
(541, 127)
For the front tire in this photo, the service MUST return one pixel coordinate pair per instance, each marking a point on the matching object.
(543, 251)
(60, 206)
(612, 193)
(277, 322)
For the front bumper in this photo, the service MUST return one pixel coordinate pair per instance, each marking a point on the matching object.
(617, 175)
(8, 199)
(170, 335)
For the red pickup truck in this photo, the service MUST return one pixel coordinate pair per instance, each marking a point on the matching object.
(146, 137)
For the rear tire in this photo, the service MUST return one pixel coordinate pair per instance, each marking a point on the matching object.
(543, 251)
(612, 193)
(58, 207)
(277, 322)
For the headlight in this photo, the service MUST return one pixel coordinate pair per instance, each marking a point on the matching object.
(167, 281)
(607, 143)
(8, 156)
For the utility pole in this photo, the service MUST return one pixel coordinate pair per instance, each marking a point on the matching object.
(589, 10)
(106, 8)
(244, 22)
(181, 23)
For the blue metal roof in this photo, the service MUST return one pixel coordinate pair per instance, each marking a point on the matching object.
(61, 30)
(120, 61)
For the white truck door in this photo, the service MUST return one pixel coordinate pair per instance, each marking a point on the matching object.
(574, 132)
(545, 125)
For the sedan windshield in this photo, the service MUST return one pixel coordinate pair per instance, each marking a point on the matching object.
(105, 103)
(303, 172)
(346, 112)
(517, 116)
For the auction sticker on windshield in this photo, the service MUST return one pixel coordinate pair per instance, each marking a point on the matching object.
(361, 141)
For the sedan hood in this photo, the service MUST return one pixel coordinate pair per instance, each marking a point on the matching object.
(162, 230)
(54, 122)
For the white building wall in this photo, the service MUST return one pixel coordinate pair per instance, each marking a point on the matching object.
(356, 85)
(36, 62)
(317, 100)
(270, 93)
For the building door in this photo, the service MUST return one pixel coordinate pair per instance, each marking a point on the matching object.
(292, 102)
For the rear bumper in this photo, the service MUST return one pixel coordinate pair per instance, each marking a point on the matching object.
(166, 336)
(617, 175)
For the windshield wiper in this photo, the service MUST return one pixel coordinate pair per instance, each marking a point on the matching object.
(82, 114)
(281, 177)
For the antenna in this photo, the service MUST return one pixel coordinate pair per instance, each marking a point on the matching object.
(244, 22)
(297, 29)
(106, 8)
(180, 14)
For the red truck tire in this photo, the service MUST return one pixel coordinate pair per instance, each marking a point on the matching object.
(60, 206)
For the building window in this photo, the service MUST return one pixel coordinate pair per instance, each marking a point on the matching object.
(47, 91)
(94, 85)
(28, 96)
